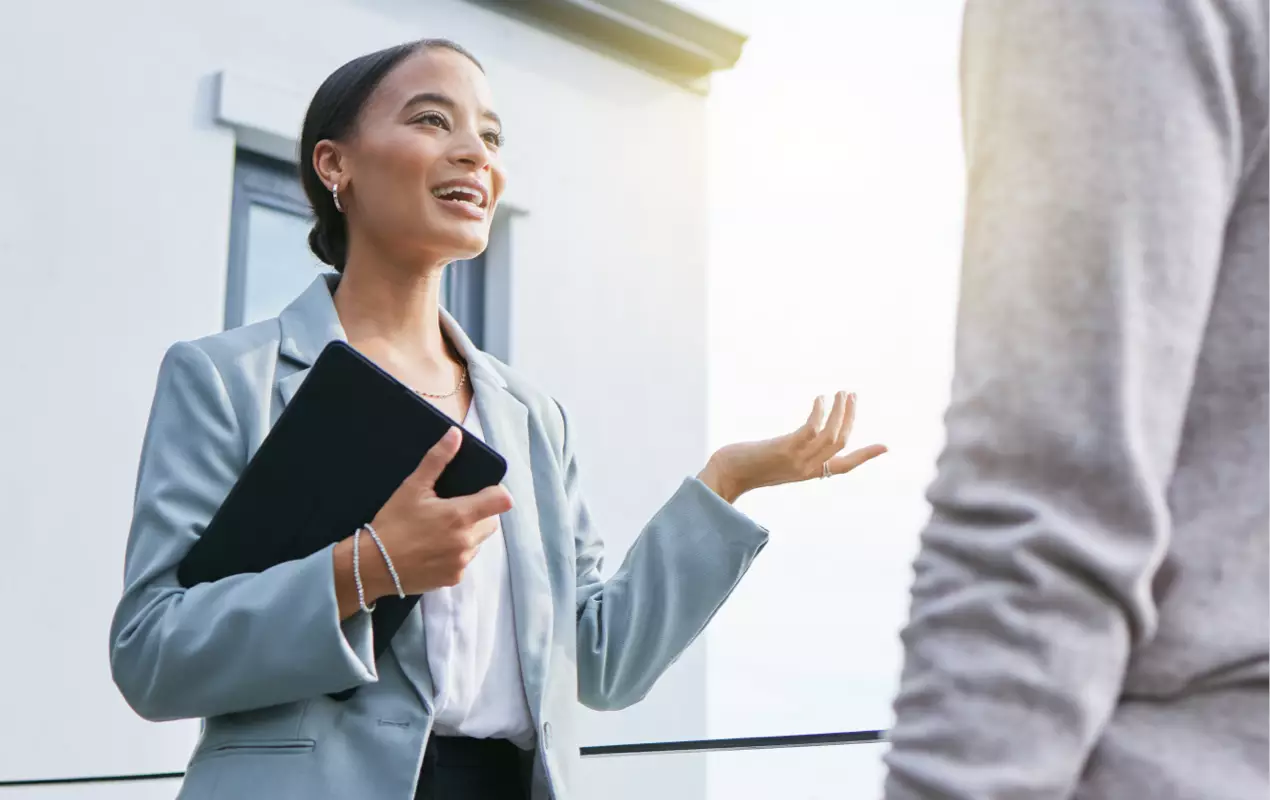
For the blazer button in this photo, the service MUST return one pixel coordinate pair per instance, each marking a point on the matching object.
(546, 733)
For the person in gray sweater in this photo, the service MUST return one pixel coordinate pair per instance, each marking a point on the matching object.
(1089, 609)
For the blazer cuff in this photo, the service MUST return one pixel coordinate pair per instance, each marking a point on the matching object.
(348, 646)
(735, 529)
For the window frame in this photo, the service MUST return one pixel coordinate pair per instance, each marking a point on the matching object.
(257, 181)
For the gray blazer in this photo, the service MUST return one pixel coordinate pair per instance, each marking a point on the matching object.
(257, 655)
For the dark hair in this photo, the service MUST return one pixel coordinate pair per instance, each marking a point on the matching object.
(333, 115)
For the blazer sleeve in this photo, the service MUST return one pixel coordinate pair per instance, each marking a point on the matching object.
(678, 573)
(247, 641)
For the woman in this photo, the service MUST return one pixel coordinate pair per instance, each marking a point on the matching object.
(474, 699)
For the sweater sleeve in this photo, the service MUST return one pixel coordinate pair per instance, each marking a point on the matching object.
(1102, 158)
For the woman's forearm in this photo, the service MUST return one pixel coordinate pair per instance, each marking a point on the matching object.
(633, 625)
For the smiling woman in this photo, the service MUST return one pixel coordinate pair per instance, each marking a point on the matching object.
(356, 124)
(476, 697)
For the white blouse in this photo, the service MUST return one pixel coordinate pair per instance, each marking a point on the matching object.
(471, 639)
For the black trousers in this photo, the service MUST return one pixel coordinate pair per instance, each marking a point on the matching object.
(458, 768)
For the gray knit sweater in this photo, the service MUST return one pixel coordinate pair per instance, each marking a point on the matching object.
(1089, 613)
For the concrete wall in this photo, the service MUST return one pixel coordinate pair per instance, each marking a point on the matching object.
(114, 224)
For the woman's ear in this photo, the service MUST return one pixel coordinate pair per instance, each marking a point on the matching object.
(329, 164)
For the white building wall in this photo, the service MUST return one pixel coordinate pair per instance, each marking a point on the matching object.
(114, 224)
(122, 790)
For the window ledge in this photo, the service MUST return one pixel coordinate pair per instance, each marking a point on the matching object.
(265, 118)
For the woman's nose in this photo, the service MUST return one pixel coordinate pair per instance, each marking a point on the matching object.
(469, 151)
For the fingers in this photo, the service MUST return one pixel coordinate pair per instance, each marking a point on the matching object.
(829, 438)
(844, 464)
(818, 442)
(825, 437)
(817, 417)
(484, 504)
(848, 422)
(436, 459)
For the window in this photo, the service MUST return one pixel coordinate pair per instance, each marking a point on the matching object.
(269, 258)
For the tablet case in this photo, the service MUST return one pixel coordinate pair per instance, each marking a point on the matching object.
(348, 438)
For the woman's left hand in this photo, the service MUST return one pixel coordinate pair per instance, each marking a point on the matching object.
(812, 451)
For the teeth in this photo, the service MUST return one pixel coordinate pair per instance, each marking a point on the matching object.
(459, 193)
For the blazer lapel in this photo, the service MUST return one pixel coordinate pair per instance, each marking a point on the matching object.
(288, 385)
(506, 423)
(306, 326)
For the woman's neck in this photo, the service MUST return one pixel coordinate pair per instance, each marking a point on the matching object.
(395, 309)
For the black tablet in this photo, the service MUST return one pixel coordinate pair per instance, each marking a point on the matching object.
(348, 438)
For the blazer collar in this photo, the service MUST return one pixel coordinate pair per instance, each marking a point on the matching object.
(310, 323)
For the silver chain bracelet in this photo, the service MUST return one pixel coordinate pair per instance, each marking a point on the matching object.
(357, 571)
(383, 551)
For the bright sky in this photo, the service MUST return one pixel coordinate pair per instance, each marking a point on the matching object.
(836, 214)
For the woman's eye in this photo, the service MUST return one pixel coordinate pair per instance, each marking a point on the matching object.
(493, 138)
(433, 118)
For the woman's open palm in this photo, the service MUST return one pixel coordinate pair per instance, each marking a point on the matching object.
(814, 450)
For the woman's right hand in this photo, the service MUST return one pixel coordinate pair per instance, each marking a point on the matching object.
(430, 539)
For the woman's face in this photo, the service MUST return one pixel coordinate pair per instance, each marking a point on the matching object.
(420, 176)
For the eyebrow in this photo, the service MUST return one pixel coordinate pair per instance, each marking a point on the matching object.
(433, 98)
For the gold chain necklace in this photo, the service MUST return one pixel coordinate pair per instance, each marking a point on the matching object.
(457, 387)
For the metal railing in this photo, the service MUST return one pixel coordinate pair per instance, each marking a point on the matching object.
(742, 743)
(597, 751)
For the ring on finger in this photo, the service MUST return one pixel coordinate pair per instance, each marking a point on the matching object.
(824, 471)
